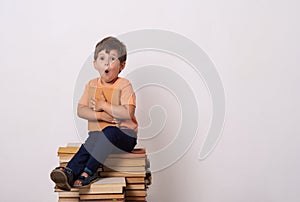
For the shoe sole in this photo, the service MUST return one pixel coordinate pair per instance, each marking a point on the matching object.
(60, 179)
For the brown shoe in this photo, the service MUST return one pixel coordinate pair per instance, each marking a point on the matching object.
(62, 176)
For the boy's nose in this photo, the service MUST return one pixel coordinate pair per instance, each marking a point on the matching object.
(107, 67)
(108, 62)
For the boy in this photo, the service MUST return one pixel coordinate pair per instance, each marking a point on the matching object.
(109, 60)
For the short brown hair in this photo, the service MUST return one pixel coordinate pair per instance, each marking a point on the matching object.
(111, 43)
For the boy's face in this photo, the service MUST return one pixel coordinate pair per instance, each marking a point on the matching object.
(108, 65)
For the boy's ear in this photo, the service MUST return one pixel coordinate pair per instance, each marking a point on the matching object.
(122, 66)
(94, 63)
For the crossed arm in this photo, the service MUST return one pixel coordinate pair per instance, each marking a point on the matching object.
(101, 110)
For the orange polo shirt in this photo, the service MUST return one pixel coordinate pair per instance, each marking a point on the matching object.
(127, 97)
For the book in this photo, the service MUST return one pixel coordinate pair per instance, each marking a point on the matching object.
(63, 164)
(111, 95)
(68, 196)
(105, 186)
(130, 180)
(73, 189)
(135, 198)
(124, 168)
(64, 199)
(110, 162)
(65, 158)
(101, 196)
(136, 153)
(67, 150)
(104, 200)
(137, 192)
(122, 174)
(127, 155)
(135, 186)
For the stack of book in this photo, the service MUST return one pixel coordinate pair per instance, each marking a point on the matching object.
(132, 167)
(68, 196)
(108, 189)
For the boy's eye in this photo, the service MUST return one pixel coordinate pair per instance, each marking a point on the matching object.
(112, 58)
(101, 58)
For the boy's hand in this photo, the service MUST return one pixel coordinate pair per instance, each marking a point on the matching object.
(108, 118)
(98, 105)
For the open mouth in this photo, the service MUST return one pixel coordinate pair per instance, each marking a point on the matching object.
(106, 71)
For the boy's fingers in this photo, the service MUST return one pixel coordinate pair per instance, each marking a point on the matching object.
(116, 121)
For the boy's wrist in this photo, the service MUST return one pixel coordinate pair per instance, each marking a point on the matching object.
(105, 106)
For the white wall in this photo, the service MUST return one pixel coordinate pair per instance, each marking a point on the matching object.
(254, 45)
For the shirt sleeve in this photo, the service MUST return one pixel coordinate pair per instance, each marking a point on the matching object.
(84, 100)
(128, 96)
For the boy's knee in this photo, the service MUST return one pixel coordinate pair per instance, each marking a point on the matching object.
(111, 133)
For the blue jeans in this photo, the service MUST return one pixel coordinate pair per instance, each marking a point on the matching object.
(98, 146)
